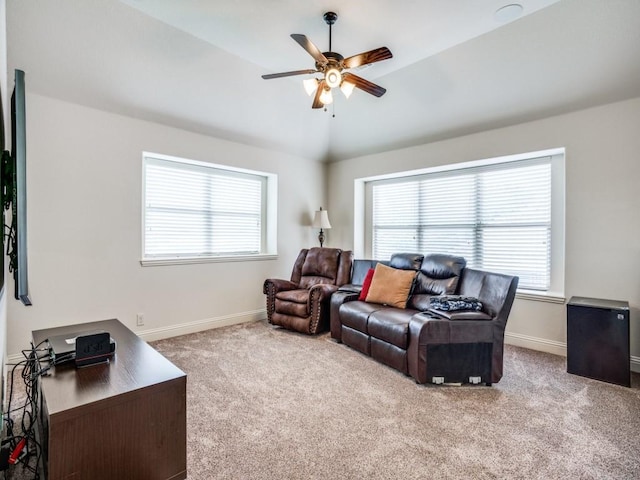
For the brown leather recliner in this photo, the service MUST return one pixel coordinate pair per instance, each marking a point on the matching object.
(302, 304)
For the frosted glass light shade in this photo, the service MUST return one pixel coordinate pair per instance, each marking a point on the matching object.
(347, 88)
(310, 85)
(325, 97)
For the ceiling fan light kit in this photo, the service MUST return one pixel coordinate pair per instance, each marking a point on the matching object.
(334, 69)
(333, 77)
(326, 97)
(310, 85)
(347, 88)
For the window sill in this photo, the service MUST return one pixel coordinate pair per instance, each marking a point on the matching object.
(157, 262)
(548, 297)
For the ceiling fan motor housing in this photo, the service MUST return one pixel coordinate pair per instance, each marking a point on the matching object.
(334, 60)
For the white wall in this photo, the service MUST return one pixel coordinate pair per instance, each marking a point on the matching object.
(84, 179)
(84, 226)
(5, 114)
(602, 206)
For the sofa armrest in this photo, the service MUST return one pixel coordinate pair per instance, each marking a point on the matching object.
(461, 315)
(427, 328)
(270, 288)
(277, 285)
(424, 328)
(350, 287)
(337, 299)
(318, 305)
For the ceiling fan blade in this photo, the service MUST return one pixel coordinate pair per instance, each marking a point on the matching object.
(372, 56)
(316, 100)
(310, 48)
(363, 84)
(288, 74)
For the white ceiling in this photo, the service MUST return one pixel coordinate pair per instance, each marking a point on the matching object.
(196, 64)
(258, 31)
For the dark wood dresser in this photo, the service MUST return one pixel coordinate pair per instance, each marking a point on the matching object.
(125, 419)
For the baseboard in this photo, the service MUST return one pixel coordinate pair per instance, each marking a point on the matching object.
(200, 325)
(184, 328)
(13, 359)
(536, 343)
(551, 346)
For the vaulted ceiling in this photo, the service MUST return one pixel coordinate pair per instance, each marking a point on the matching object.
(457, 67)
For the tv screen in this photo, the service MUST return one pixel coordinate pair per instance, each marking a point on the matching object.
(19, 201)
(2, 196)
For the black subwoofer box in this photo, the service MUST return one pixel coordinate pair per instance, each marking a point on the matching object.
(598, 340)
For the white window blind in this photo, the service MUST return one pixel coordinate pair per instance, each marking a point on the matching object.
(498, 217)
(193, 210)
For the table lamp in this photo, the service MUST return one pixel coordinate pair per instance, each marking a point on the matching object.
(321, 220)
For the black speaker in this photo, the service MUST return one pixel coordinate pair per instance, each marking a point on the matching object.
(598, 340)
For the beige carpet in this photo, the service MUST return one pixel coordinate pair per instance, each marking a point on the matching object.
(265, 403)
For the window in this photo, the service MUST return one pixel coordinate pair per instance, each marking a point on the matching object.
(198, 210)
(497, 216)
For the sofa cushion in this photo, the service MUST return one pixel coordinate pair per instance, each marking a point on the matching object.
(391, 325)
(356, 314)
(390, 286)
(292, 302)
(295, 296)
(291, 308)
(366, 284)
(420, 301)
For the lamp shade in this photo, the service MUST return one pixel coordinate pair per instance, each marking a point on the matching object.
(325, 97)
(321, 219)
(310, 85)
(347, 88)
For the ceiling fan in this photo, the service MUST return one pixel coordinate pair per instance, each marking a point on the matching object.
(333, 65)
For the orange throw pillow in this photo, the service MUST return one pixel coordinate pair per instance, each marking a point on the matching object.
(390, 286)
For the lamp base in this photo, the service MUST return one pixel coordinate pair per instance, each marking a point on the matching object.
(321, 238)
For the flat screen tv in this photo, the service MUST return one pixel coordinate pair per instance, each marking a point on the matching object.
(19, 200)
(2, 195)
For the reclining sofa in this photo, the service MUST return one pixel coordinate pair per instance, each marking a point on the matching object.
(431, 345)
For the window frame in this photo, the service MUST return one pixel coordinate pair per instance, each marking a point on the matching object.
(268, 243)
(363, 216)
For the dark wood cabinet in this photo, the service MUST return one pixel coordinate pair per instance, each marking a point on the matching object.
(125, 419)
(598, 339)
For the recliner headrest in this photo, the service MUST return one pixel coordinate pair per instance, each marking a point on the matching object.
(406, 261)
(440, 266)
(321, 262)
(439, 274)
